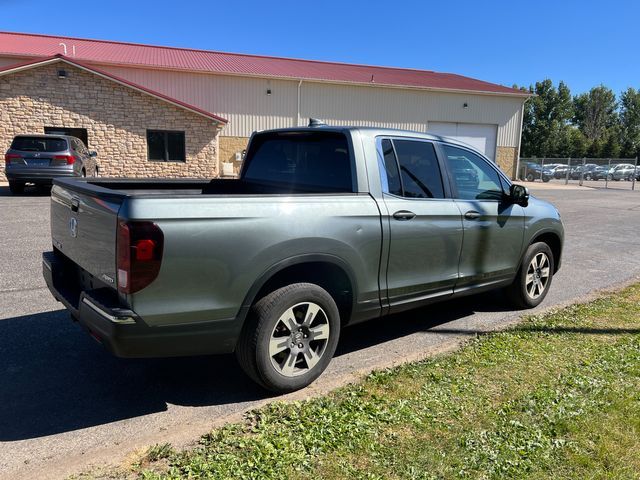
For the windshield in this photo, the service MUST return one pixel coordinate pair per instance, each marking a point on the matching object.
(39, 144)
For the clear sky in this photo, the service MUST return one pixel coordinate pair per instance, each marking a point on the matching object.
(584, 43)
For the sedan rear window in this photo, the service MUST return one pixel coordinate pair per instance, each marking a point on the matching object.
(318, 162)
(39, 144)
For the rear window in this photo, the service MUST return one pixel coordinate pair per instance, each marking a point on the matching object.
(314, 161)
(39, 144)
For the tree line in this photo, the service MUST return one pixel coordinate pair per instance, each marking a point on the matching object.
(594, 124)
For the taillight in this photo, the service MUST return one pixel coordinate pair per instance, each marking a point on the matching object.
(139, 255)
(10, 156)
(70, 159)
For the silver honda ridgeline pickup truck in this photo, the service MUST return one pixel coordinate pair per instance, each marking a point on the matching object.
(326, 227)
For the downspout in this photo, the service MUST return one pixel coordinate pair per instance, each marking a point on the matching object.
(298, 114)
(520, 139)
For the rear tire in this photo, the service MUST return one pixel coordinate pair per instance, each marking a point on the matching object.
(530, 177)
(534, 277)
(289, 337)
(16, 187)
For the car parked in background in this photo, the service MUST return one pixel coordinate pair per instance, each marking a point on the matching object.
(622, 171)
(38, 159)
(531, 171)
(560, 170)
(585, 171)
(600, 172)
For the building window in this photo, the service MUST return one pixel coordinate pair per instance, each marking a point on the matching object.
(80, 133)
(165, 146)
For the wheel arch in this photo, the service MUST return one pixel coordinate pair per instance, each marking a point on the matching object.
(555, 244)
(327, 271)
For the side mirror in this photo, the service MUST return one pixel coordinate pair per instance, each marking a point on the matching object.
(93, 153)
(519, 195)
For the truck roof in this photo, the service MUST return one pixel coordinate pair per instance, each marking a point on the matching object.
(376, 131)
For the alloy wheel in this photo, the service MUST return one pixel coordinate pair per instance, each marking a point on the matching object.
(299, 339)
(538, 274)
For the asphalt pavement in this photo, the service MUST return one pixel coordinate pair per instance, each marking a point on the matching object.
(65, 403)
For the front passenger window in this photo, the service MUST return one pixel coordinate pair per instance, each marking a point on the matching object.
(473, 177)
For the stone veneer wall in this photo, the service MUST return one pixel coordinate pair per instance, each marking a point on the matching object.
(116, 118)
(228, 146)
(506, 158)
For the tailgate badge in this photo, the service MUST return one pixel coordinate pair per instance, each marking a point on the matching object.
(73, 227)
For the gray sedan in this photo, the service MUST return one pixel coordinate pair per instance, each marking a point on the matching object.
(38, 159)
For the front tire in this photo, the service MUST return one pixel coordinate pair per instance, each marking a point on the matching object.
(534, 277)
(289, 337)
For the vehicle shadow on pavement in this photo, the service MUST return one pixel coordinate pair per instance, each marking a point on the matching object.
(430, 318)
(55, 378)
(29, 191)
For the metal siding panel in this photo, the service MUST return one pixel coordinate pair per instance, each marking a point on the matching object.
(244, 102)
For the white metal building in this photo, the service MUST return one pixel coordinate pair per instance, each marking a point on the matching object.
(258, 92)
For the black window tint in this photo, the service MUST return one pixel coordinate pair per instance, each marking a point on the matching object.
(175, 145)
(419, 169)
(316, 161)
(472, 176)
(39, 144)
(391, 168)
(165, 146)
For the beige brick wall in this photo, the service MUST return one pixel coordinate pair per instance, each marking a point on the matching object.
(506, 158)
(116, 118)
(228, 146)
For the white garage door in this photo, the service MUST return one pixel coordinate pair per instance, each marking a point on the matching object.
(478, 135)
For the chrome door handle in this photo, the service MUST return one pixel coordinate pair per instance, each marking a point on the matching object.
(404, 215)
(472, 215)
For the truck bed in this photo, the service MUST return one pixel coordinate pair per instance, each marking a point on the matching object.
(162, 187)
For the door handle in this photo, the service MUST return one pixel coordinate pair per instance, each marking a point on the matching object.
(472, 215)
(404, 215)
(75, 204)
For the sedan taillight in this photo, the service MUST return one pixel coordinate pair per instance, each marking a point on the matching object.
(139, 255)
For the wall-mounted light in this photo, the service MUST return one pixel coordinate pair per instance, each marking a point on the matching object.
(465, 105)
(268, 91)
(62, 74)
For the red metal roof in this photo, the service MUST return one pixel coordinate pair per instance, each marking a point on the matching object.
(61, 58)
(109, 52)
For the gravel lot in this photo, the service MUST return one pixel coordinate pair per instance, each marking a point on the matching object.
(66, 403)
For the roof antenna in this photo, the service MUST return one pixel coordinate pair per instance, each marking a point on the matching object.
(63, 45)
(314, 122)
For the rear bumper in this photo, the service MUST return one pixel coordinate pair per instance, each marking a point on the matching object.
(122, 331)
(37, 175)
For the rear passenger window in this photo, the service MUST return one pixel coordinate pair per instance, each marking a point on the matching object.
(419, 169)
(389, 169)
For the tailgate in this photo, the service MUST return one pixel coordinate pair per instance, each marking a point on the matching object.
(83, 228)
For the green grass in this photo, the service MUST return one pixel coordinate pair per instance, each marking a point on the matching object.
(557, 396)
